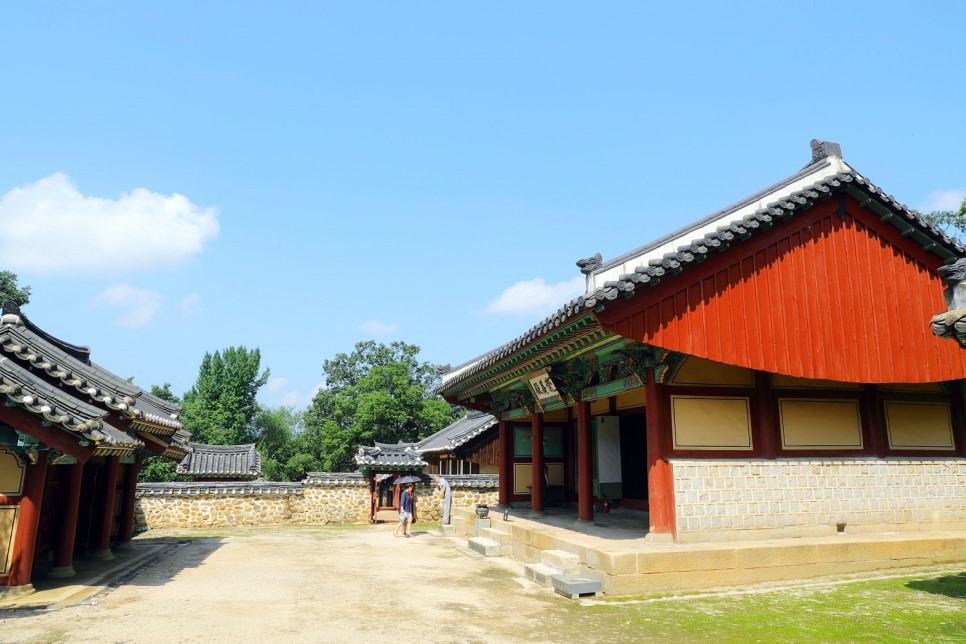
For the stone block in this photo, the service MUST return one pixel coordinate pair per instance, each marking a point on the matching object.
(574, 586)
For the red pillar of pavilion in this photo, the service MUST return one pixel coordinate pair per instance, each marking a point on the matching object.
(765, 416)
(506, 463)
(872, 421)
(537, 480)
(102, 539)
(585, 470)
(64, 555)
(25, 541)
(660, 480)
(126, 528)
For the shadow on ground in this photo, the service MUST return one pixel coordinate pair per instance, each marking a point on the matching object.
(949, 585)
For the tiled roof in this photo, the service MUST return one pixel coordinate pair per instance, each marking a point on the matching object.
(333, 478)
(21, 388)
(273, 488)
(460, 432)
(626, 275)
(71, 366)
(382, 456)
(221, 461)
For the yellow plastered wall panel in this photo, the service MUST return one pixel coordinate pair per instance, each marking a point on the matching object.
(600, 406)
(630, 399)
(556, 414)
(919, 425)
(706, 422)
(12, 473)
(914, 387)
(522, 478)
(820, 424)
(698, 371)
(8, 528)
(780, 381)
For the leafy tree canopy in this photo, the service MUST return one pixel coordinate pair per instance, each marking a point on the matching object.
(953, 222)
(10, 292)
(377, 393)
(221, 407)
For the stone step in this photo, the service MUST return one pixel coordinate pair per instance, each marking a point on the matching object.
(561, 560)
(501, 537)
(447, 530)
(574, 586)
(484, 546)
(539, 573)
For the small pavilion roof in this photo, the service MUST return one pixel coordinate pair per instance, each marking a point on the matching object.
(239, 462)
(458, 433)
(389, 457)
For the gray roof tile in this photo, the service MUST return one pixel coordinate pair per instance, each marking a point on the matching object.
(221, 461)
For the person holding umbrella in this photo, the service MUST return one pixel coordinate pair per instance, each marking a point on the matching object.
(405, 510)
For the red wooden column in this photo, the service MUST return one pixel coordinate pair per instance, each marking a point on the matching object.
(102, 539)
(25, 542)
(506, 463)
(660, 488)
(126, 528)
(373, 498)
(64, 555)
(536, 483)
(585, 470)
(764, 418)
(873, 434)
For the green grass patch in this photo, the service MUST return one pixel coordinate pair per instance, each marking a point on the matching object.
(930, 608)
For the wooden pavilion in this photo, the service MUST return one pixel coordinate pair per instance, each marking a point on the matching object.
(382, 465)
(765, 371)
(72, 435)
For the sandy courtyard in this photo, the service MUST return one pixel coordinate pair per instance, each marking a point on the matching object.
(298, 584)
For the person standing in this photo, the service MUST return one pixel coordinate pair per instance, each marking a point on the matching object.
(405, 512)
(447, 503)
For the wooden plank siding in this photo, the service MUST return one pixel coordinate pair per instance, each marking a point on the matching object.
(821, 295)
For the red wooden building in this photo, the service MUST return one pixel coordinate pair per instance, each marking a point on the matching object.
(767, 370)
(71, 437)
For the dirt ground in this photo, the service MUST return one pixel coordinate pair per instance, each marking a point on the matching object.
(298, 584)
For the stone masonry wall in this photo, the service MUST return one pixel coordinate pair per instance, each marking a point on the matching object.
(321, 498)
(727, 499)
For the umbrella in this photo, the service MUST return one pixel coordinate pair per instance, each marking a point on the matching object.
(407, 479)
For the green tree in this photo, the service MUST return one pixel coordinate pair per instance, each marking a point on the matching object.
(377, 393)
(221, 407)
(157, 469)
(10, 292)
(953, 222)
(287, 450)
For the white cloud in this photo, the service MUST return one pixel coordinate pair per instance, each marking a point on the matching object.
(291, 399)
(191, 304)
(943, 200)
(276, 384)
(138, 306)
(375, 327)
(49, 226)
(535, 297)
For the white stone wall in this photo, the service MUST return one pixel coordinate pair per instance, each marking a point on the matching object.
(728, 499)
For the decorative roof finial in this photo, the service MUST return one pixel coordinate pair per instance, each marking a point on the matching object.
(824, 149)
(589, 265)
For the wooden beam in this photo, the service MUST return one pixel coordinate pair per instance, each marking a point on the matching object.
(53, 437)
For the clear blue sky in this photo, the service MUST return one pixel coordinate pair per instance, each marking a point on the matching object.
(180, 177)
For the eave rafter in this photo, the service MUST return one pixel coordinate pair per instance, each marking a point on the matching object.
(538, 358)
